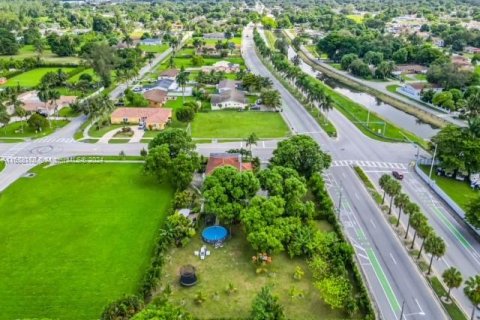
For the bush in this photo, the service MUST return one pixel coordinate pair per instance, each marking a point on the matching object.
(185, 114)
(37, 122)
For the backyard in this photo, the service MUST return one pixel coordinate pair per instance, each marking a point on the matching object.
(67, 252)
(28, 51)
(238, 124)
(233, 265)
(32, 77)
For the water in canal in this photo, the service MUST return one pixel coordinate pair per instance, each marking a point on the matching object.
(394, 115)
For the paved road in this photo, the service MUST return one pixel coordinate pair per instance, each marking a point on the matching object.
(390, 273)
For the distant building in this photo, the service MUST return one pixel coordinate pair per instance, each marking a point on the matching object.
(411, 69)
(156, 97)
(150, 118)
(470, 49)
(415, 90)
(218, 160)
(223, 66)
(461, 62)
(226, 85)
(151, 42)
(31, 102)
(214, 36)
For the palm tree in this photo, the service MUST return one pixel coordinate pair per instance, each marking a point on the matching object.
(410, 209)
(44, 96)
(452, 278)
(171, 61)
(418, 220)
(400, 202)
(383, 181)
(436, 247)
(473, 105)
(251, 140)
(182, 79)
(54, 96)
(20, 112)
(296, 60)
(393, 188)
(424, 231)
(4, 120)
(472, 291)
(327, 105)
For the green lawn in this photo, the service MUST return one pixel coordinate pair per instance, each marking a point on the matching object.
(67, 112)
(155, 49)
(358, 18)
(67, 252)
(98, 133)
(420, 76)
(89, 71)
(14, 130)
(2, 165)
(235, 124)
(393, 88)
(271, 38)
(459, 191)
(28, 51)
(32, 77)
(178, 102)
(186, 62)
(232, 264)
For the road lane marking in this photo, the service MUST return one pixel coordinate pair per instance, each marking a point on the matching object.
(452, 228)
(373, 224)
(418, 304)
(387, 288)
(391, 256)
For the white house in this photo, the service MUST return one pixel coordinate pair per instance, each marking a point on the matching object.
(230, 99)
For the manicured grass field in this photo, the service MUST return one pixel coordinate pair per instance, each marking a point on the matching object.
(89, 71)
(93, 132)
(28, 51)
(2, 165)
(14, 130)
(32, 77)
(235, 124)
(459, 191)
(233, 264)
(155, 49)
(67, 112)
(68, 251)
(177, 103)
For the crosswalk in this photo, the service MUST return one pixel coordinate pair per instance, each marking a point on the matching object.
(369, 164)
(53, 140)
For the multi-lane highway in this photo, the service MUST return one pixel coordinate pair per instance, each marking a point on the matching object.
(391, 275)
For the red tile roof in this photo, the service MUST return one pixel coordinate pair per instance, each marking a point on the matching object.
(218, 160)
(152, 115)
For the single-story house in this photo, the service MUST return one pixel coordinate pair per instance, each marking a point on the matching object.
(223, 66)
(225, 85)
(151, 42)
(31, 102)
(461, 62)
(150, 118)
(214, 35)
(470, 49)
(169, 74)
(217, 160)
(166, 85)
(156, 97)
(229, 99)
(415, 89)
(411, 69)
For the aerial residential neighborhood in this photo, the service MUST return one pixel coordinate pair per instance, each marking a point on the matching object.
(263, 160)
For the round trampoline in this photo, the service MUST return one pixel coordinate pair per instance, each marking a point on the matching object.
(214, 234)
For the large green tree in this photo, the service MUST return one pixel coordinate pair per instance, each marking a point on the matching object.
(301, 153)
(265, 306)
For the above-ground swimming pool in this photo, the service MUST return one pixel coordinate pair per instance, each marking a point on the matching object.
(214, 234)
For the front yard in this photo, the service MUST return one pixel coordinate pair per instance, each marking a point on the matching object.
(238, 124)
(14, 129)
(32, 77)
(68, 251)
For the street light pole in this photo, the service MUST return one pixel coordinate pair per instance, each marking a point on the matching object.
(401, 313)
(433, 161)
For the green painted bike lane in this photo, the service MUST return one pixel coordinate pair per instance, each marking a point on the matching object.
(456, 233)
(387, 288)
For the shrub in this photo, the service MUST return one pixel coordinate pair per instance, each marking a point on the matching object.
(37, 122)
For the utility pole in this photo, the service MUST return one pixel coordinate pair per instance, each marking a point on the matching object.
(433, 161)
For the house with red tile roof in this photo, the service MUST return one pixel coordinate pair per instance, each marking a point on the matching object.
(217, 160)
(31, 102)
(150, 118)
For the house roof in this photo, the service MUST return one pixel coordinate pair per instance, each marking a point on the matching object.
(410, 68)
(218, 160)
(423, 85)
(164, 84)
(31, 101)
(155, 95)
(152, 115)
(229, 95)
(170, 73)
(228, 84)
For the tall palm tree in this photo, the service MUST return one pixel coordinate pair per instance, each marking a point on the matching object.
(383, 181)
(20, 112)
(424, 232)
(393, 189)
(4, 120)
(44, 96)
(409, 210)
(400, 202)
(327, 105)
(452, 278)
(472, 291)
(436, 247)
(418, 220)
(182, 79)
(251, 140)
